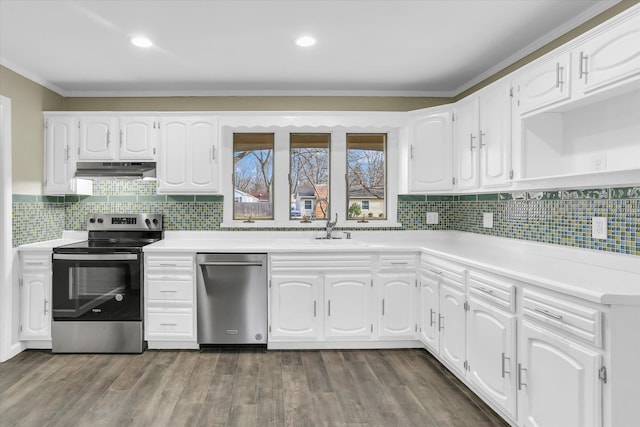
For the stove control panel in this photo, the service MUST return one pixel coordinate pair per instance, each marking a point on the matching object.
(114, 222)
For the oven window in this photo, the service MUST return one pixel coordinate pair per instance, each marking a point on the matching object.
(96, 290)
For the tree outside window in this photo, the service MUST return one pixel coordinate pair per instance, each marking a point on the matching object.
(366, 176)
(253, 176)
(309, 174)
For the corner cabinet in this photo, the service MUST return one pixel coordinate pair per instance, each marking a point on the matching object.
(60, 142)
(189, 155)
(430, 150)
(35, 297)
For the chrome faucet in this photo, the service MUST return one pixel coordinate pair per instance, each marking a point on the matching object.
(330, 224)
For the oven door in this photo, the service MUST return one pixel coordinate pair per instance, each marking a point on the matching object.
(97, 287)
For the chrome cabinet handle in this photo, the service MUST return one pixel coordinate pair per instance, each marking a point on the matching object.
(471, 138)
(411, 150)
(168, 292)
(383, 307)
(399, 263)
(213, 152)
(436, 271)
(431, 319)
(548, 313)
(121, 137)
(46, 303)
(482, 135)
(68, 154)
(485, 290)
(108, 137)
(504, 370)
(329, 308)
(168, 324)
(520, 369)
(314, 308)
(168, 265)
(440, 322)
(583, 66)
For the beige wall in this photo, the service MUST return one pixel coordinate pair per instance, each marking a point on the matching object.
(254, 103)
(28, 100)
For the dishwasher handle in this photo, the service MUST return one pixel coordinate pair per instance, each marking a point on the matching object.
(231, 264)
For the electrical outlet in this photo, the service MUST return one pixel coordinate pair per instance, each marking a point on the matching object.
(432, 217)
(487, 220)
(599, 227)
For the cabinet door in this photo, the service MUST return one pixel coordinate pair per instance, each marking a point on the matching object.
(295, 306)
(60, 143)
(138, 138)
(609, 57)
(173, 169)
(491, 353)
(97, 138)
(545, 84)
(430, 153)
(465, 131)
(203, 139)
(429, 313)
(35, 313)
(348, 305)
(397, 305)
(559, 383)
(495, 135)
(451, 323)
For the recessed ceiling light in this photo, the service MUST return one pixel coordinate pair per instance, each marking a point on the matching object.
(141, 41)
(305, 41)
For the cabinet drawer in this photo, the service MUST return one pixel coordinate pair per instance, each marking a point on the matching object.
(438, 268)
(171, 290)
(494, 289)
(170, 324)
(398, 262)
(35, 261)
(574, 319)
(163, 262)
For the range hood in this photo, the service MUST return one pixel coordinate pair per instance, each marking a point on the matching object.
(116, 169)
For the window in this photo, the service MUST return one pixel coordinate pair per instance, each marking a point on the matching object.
(365, 205)
(253, 176)
(366, 176)
(309, 174)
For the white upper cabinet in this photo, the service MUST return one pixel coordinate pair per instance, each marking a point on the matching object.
(138, 138)
(608, 58)
(113, 138)
(545, 84)
(60, 142)
(466, 142)
(188, 161)
(98, 138)
(482, 135)
(430, 150)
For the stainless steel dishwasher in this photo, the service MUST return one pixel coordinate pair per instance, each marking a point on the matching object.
(232, 299)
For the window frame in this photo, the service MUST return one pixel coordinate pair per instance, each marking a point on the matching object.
(368, 219)
(338, 125)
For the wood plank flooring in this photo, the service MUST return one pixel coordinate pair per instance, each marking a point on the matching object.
(246, 388)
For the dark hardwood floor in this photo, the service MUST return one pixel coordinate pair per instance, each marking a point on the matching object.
(252, 388)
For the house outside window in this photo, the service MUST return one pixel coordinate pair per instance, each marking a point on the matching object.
(366, 176)
(309, 174)
(253, 176)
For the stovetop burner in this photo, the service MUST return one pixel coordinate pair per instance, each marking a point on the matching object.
(111, 233)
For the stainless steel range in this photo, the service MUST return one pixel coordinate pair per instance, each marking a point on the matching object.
(97, 286)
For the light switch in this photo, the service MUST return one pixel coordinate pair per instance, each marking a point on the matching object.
(432, 217)
(487, 220)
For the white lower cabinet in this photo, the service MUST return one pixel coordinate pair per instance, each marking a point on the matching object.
(294, 306)
(169, 301)
(397, 300)
(442, 311)
(348, 306)
(35, 296)
(557, 380)
(491, 339)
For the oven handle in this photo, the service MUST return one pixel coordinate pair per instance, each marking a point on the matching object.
(95, 257)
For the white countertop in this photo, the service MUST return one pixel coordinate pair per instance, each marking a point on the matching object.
(601, 277)
(68, 237)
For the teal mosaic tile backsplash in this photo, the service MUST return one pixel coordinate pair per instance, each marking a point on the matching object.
(560, 217)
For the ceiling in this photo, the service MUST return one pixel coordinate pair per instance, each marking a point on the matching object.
(242, 47)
